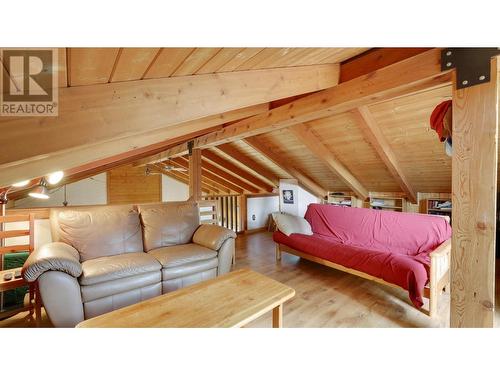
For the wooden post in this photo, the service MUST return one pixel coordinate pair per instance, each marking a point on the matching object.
(195, 175)
(474, 166)
(243, 213)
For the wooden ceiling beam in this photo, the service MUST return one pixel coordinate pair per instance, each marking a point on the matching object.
(244, 175)
(373, 134)
(231, 151)
(211, 176)
(374, 59)
(206, 184)
(208, 166)
(314, 144)
(142, 146)
(415, 74)
(281, 162)
(90, 116)
(217, 121)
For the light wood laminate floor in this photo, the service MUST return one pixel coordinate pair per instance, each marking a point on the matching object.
(324, 297)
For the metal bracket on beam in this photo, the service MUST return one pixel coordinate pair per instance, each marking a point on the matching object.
(472, 64)
(190, 145)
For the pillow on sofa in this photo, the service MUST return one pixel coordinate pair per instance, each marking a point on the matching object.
(288, 224)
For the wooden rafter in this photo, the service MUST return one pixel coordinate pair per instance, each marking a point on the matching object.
(244, 175)
(210, 176)
(170, 137)
(373, 134)
(231, 151)
(208, 166)
(415, 74)
(305, 181)
(206, 183)
(374, 59)
(219, 188)
(314, 144)
(91, 116)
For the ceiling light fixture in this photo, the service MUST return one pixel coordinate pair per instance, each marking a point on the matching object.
(55, 177)
(40, 191)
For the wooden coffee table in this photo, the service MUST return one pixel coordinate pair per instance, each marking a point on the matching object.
(231, 300)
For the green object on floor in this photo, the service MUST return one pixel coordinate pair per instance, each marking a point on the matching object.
(14, 298)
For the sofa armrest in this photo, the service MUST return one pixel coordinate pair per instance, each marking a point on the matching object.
(442, 250)
(212, 236)
(54, 256)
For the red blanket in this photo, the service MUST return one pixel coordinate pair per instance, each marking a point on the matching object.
(389, 245)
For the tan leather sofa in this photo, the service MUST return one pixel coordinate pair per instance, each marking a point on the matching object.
(107, 257)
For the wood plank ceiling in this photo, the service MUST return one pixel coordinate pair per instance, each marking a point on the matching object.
(90, 66)
(237, 167)
(405, 124)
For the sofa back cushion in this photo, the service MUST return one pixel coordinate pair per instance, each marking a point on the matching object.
(401, 232)
(97, 231)
(168, 224)
(289, 224)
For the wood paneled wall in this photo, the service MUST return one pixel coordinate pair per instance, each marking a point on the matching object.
(131, 185)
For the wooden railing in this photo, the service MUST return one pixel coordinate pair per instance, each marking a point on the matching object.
(209, 213)
(227, 210)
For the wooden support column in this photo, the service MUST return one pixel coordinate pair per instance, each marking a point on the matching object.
(195, 175)
(243, 213)
(474, 189)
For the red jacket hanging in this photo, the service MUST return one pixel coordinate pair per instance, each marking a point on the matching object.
(437, 117)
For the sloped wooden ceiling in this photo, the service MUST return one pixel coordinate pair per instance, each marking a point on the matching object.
(259, 158)
(405, 124)
(403, 121)
(90, 66)
(299, 156)
(342, 134)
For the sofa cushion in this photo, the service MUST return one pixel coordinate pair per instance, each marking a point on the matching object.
(180, 255)
(204, 268)
(98, 231)
(168, 224)
(112, 287)
(103, 269)
(288, 224)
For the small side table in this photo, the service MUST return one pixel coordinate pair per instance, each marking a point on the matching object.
(34, 306)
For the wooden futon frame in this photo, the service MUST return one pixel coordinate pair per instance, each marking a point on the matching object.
(439, 272)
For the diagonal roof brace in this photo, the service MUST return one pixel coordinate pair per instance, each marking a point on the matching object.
(472, 64)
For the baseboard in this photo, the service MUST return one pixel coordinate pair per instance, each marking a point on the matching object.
(256, 230)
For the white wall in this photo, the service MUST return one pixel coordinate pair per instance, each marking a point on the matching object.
(259, 209)
(301, 198)
(305, 199)
(173, 190)
(84, 192)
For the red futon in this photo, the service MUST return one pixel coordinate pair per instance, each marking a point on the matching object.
(384, 246)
